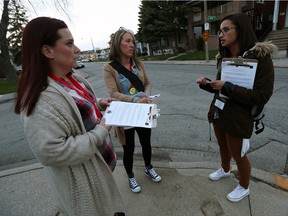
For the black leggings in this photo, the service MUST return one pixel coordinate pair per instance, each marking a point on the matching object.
(144, 135)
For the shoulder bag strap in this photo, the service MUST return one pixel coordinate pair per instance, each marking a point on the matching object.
(134, 79)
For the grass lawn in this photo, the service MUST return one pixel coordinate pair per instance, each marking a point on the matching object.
(155, 58)
(197, 55)
(6, 88)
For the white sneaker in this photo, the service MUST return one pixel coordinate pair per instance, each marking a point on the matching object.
(238, 194)
(134, 186)
(220, 173)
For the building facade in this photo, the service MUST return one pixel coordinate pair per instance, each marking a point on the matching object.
(266, 16)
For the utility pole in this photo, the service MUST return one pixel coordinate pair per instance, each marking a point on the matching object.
(92, 45)
(206, 24)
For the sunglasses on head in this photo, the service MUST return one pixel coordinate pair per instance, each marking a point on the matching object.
(126, 30)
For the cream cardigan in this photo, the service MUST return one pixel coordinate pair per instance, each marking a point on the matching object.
(81, 181)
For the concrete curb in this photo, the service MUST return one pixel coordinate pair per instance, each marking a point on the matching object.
(7, 97)
(272, 179)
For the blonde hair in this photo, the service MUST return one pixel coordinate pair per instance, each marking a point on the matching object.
(115, 40)
(111, 38)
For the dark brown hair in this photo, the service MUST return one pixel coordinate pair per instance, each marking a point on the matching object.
(35, 66)
(245, 34)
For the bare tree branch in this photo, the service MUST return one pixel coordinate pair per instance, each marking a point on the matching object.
(62, 7)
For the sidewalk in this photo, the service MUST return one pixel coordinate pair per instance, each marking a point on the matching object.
(185, 189)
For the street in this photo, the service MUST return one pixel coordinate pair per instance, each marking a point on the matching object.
(182, 132)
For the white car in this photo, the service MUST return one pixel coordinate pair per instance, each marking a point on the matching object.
(79, 65)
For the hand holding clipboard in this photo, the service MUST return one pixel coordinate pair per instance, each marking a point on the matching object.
(239, 71)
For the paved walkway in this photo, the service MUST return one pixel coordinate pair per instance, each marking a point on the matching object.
(185, 190)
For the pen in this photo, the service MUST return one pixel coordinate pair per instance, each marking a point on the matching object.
(207, 81)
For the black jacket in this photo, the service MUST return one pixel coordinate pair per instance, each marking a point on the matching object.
(235, 118)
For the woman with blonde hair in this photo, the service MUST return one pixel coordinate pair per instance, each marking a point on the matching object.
(126, 79)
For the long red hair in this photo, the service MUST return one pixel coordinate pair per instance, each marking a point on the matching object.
(35, 66)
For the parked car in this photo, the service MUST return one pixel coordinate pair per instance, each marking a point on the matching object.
(79, 65)
(85, 60)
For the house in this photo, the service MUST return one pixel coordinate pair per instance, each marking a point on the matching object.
(104, 53)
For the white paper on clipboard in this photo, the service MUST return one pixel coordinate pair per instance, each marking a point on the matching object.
(239, 71)
(131, 114)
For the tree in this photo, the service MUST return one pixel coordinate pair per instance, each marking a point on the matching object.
(5, 62)
(149, 25)
(18, 21)
(161, 20)
(5, 59)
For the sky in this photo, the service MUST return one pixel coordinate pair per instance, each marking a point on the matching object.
(92, 21)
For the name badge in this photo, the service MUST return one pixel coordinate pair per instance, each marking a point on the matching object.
(220, 104)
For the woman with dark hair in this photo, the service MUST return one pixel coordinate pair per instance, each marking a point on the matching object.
(233, 123)
(133, 87)
(63, 124)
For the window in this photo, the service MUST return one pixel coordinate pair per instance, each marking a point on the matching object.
(259, 21)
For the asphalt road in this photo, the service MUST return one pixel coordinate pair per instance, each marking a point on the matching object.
(182, 132)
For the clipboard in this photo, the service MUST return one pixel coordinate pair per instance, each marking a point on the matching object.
(131, 114)
(239, 71)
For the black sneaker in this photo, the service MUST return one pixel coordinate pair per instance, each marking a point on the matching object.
(134, 186)
(152, 174)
